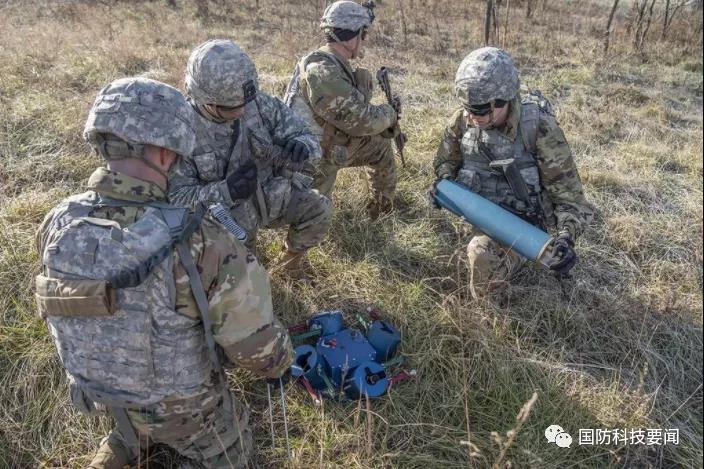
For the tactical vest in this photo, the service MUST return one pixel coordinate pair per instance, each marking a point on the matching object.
(108, 296)
(217, 156)
(481, 148)
(294, 98)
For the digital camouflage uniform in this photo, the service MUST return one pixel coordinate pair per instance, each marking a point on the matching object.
(543, 156)
(334, 99)
(284, 198)
(127, 325)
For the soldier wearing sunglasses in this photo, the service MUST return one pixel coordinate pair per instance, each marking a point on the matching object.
(250, 156)
(509, 148)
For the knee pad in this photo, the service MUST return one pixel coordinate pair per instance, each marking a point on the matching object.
(480, 247)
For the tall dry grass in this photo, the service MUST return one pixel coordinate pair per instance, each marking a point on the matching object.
(619, 347)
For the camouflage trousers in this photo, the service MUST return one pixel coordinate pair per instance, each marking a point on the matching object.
(196, 427)
(374, 152)
(307, 213)
(491, 265)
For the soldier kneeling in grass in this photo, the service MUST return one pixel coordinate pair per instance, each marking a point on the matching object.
(146, 301)
(508, 148)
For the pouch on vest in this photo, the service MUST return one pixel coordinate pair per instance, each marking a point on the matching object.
(208, 167)
(470, 178)
(89, 258)
(74, 298)
(277, 194)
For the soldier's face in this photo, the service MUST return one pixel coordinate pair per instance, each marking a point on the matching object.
(358, 51)
(496, 118)
(226, 113)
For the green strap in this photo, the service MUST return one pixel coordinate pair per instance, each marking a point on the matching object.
(201, 298)
(126, 431)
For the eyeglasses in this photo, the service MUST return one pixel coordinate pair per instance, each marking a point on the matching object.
(485, 109)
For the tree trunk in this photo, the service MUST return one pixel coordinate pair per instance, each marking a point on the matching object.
(607, 32)
(488, 20)
(404, 25)
(665, 17)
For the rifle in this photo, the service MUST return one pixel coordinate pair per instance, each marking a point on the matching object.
(400, 139)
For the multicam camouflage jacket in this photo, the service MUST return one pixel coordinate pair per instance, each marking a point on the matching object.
(267, 124)
(334, 99)
(146, 342)
(534, 139)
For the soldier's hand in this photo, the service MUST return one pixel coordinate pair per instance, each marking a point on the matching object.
(396, 104)
(296, 151)
(243, 181)
(432, 191)
(562, 252)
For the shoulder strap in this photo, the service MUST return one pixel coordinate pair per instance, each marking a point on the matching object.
(335, 59)
(181, 226)
(201, 298)
(528, 126)
(236, 126)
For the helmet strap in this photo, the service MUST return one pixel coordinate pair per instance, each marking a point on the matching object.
(209, 113)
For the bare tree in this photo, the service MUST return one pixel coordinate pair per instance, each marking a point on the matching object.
(404, 25)
(488, 20)
(529, 8)
(504, 43)
(642, 19)
(671, 9)
(607, 32)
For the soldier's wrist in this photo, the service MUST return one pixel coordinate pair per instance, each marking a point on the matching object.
(566, 232)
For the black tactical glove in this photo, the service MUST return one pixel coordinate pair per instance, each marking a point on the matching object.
(396, 104)
(562, 252)
(296, 151)
(431, 193)
(243, 181)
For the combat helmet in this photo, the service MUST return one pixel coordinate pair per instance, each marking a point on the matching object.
(347, 15)
(486, 75)
(132, 112)
(220, 73)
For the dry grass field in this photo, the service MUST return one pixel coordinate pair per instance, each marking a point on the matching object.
(619, 347)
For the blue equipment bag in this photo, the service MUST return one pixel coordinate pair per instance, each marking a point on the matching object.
(347, 362)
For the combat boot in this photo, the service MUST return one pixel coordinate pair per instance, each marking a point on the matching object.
(292, 264)
(112, 454)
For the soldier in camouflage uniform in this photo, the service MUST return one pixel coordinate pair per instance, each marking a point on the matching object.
(495, 126)
(334, 98)
(142, 297)
(236, 123)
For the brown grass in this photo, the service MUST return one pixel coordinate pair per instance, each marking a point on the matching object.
(621, 348)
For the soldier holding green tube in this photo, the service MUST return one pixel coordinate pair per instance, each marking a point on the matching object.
(508, 148)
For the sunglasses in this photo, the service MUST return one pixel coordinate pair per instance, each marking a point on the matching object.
(485, 109)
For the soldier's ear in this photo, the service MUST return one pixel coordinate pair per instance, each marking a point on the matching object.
(166, 157)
